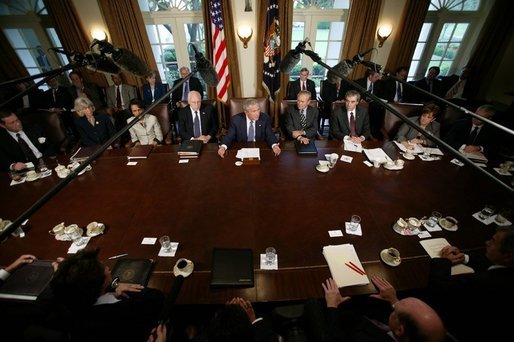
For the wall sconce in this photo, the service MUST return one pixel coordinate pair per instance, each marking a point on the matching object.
(245, 34)
(383, 33)
(98, 34)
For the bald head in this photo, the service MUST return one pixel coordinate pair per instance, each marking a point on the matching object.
(414, 320)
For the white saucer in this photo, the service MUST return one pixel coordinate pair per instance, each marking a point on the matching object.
(28, 179)
(318, 167)
(408, 156)
(384, 256)
(405, 231)
(394, 167)
(445, 227)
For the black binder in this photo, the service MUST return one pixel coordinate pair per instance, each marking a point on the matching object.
(232, 267)
(134, 271)
(306, 149)
(28, 281)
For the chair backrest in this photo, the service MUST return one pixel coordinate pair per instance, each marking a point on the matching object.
(51, 123)
(392, 123)
(448, 116)
(235, 106)
(161, 111)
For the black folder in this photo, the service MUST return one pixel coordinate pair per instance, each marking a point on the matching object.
(232, 267)
(134, 271)
(306, 149)
(28, 281)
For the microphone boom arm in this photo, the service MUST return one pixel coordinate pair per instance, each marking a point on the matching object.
(405, 119)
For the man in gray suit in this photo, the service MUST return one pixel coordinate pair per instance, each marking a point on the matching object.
(119, 96)
(302, 120)
(351, 124)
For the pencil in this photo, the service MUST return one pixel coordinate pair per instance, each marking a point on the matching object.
(354, 268)
(357, 267)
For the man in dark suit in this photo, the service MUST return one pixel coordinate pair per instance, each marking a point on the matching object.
(476, 306)
(58, 99)
(94, 308)
(252, 125)
(18, 146)
(197, 121)
(392, 90)
(428, 83)
(409, 319)
(472, 135)
(351, 124)
(302, 119)
(302, 83)
(182, 93)
(89, 90)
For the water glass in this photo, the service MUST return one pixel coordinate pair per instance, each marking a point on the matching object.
(165, 243)
(486, 212)
(354, 222)
(271, 254)
(434, 218)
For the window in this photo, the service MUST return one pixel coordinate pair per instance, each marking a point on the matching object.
(444, 39)
(171, 52)
(323, 21)
(26, 25)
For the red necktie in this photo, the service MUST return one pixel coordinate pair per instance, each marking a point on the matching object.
(353, 131)
(303, 85)
(118, 97)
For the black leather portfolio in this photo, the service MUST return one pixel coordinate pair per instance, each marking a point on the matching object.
(232, 267)
(306, 149)
(28, 281)
(134, 271)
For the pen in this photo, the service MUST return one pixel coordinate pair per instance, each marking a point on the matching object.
(117, 256)
(355, 268)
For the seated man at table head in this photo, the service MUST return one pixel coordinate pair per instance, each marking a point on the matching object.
(353, 122)
(410, 319)
(409, 136)
(147, 131)
(471, 135)
(19, 145)
(470, 303)
(94, 128)
(302, 119)
(96, 311)
(197, 121)
(251, 125)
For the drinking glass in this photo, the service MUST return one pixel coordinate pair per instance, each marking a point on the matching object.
(165, 243)
(354, 222)
(271, 254)
(434, 218)
(486, 212)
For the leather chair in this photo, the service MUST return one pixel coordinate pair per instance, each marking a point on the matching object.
(51, 123)
(284, 104)
(161, 111)
(235, 106)
(449, 116)
(392, 123)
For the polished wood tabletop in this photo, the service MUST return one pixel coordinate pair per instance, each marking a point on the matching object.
(282, 202)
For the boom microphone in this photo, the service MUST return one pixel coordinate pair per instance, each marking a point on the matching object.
(124, 58)
(343, 68)
(205, 68)
(91, 60)
(293, 57)
(372, 66)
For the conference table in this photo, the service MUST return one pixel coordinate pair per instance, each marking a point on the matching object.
(283, 202)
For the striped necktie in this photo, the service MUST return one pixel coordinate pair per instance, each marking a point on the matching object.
(303, 119)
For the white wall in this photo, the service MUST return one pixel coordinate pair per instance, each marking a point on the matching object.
(90, 16)
(246, 57)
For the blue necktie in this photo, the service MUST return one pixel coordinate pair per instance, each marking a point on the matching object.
(196, 124)
(251, 132)
(185, 93)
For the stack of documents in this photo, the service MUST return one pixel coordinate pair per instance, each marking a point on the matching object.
(345, 266)
(352, 147)
(249, 153)
(376, 154)
(416, 148)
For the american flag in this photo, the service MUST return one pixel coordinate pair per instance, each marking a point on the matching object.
(220, 49)
(271, 71)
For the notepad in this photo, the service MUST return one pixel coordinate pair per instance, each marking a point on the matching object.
(338, 256)
(433, 248)
(232, 267)
(140, 152)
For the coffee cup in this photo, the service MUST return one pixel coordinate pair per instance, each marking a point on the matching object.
(323, 167)
(402, 223)
(4, 224)
(59, 168)
(63, 173)
(31, 174)
(399, 163)
(392, 255)
(413, 223)
(57, 230)
(95, 228)
(377, 163)
(333, 160)
(41, 140)
(389, 163)
(448, 222)
(72, 228)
